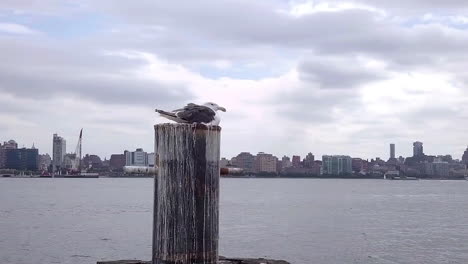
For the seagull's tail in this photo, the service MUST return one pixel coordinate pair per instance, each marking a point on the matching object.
(170, 116)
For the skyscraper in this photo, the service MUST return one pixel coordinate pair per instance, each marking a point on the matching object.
(59, 149)
(418, 149)
(392, 151)
(465, 157)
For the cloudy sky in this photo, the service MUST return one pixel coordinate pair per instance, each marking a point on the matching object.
(327, 77)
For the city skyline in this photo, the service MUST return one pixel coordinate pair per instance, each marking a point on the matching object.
(417, 148)
(332, 77)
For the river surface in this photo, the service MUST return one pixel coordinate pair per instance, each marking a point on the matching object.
(72, 221)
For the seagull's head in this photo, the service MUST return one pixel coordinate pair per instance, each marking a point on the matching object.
(215, 107)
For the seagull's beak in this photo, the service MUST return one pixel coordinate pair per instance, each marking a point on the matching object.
(222, 109)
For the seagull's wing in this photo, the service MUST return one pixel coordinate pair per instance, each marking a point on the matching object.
(193, 113)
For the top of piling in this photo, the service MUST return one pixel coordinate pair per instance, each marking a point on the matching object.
(194, 126)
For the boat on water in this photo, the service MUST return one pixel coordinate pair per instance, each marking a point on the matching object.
(82, 175)
(395, 175)
(405, 178)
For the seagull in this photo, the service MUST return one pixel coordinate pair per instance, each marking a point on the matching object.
(192, 113)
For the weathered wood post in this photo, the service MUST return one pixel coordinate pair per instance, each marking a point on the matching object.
(186, 198)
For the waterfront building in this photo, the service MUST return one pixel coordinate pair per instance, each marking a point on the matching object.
(265, 162)
(22, 159)
(11, 144)
(465, 157)
(91, 161)
(136, 158)
(437, 169)
(296, 161)
(309, 160)
(336, 165)
(245, 161)
(70, 162)
(117, 162)
(59, 149)
(151, 159)
(285, 162)
(44, 162)
(359, 165)
(418, 149)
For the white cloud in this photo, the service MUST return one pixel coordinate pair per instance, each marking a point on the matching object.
(12, 28)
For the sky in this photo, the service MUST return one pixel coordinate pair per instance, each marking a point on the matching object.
(327, 77)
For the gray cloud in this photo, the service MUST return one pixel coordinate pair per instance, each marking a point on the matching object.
(34, 71)
(335, 75)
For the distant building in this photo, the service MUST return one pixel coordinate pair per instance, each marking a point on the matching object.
(151, 159)
(401, 159)
(285, 162)
(11, 144)
(91, 161)
(223, 163)
(309, 161)
(465, 157)
(265, 162)
(418, 150)
(44, 162)
(22, 159)
(117, 162)
(392, 151)
(70, 162)
(359, 165)
(296, 161)
(136, 158)
(59, 149)
(245, 161)
(437, 169)
(336, 165)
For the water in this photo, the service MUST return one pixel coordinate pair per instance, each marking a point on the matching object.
(300, 220)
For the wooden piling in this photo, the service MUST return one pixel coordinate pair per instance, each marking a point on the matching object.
(186, 198)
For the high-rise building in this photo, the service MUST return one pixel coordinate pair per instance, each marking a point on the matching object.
(296, 161)
(136, 158)
(336, 165)
(392, 151)
(465, 157)
(285, 162)
(418, 150)
(22, 159)
(59, 149)
(265, 162)
(309, 160)
(11, 144)
(245, 161)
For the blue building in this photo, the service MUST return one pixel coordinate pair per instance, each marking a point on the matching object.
(22, 159)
